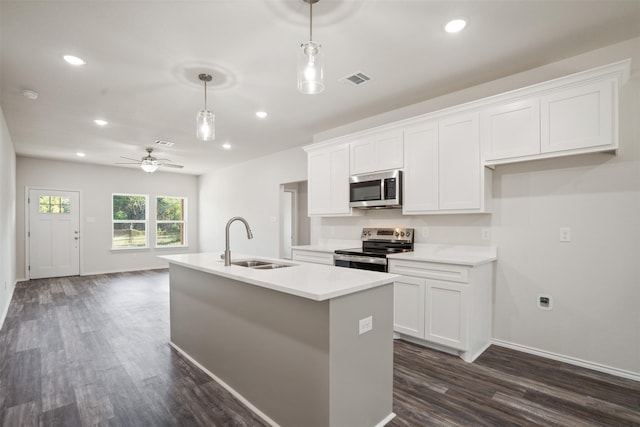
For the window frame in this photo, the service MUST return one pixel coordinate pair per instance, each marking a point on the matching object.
(183, 222)
(145, 221)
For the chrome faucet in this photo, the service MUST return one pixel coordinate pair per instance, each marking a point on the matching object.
(227, 252)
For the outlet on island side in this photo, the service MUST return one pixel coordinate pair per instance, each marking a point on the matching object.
(365, 325)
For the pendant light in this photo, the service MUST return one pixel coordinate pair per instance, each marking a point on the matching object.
(205, 120)
(310, 72)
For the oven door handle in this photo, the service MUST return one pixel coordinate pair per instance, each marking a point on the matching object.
(355, 258)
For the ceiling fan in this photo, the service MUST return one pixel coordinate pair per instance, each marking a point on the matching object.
(149, 163)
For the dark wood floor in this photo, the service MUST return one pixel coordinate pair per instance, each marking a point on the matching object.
(93, 350)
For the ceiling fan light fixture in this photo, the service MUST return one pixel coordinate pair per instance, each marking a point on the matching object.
(310, 61)
(149, 165)
(205, 119)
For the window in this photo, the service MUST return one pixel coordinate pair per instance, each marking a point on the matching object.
(54, 204)
(130, 220)
(170, 221)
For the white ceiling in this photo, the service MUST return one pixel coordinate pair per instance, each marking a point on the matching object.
(143, 58)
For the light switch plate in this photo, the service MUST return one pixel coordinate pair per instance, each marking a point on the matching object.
(565, 234)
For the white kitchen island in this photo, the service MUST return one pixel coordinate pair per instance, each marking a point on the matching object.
(287, 341)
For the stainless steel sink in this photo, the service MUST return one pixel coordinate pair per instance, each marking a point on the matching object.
(251, 263)
(271, 266)
(259, 265)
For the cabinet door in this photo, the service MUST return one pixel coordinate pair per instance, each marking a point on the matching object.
(459, 153)
(319, 197)
(421, 170)
(378, 152)
(578, 117)
(329, 181)
(315, 257)
(408, 306)
(511, 130)
(363, 156)
(446, 314)
(389, 146)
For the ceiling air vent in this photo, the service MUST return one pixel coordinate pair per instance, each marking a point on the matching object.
(356, 79)
(164, 143)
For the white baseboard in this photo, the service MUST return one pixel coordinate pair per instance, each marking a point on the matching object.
(96, 273)
(226, 386)
(5, 309)
(570, 360)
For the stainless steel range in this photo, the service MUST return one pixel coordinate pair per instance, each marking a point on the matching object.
(377, 243)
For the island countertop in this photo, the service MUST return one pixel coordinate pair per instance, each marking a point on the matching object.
(313, 281)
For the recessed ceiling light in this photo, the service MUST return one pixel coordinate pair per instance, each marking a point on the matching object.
(30, 94)
(226, 146)
(79, 154)
(261, 114)
(455, 25)
(100, 122)
(74, 60)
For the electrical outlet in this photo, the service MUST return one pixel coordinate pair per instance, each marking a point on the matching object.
(486, 234)
(545, 302)
(565, 234)
(365, 325)
(425, 231)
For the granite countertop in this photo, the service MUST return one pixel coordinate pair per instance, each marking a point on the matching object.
(313, 281)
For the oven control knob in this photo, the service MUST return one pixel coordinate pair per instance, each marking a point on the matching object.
(402, 234)
(408, 233)
(397, 234)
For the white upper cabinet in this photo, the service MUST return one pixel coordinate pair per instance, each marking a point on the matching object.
(459, 153)
(579, 117)
(570, 115)
(328, 173)
(511, 129)
(443, 172)
(421, 171)
(377, 152)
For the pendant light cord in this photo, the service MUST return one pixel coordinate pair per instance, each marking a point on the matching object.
(205, 95)
(310, 21)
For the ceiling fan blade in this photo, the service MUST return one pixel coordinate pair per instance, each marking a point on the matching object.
(136, 163)
(170, 165)
(129, 158)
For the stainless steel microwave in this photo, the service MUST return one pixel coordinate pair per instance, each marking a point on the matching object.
(376, 191)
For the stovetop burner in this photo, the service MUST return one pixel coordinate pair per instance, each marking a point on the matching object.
(380, 242)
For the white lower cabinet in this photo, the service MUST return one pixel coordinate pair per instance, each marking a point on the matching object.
(316, 257)
(444, 305)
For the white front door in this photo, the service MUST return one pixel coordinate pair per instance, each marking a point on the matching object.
(54, 233)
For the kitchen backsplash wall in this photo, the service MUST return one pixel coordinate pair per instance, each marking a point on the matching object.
(442, 229)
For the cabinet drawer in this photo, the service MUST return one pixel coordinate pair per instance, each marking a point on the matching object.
(312, 256)
(430, 270)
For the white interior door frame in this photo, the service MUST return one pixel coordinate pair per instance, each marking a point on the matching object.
(27, 243)
(294, 218)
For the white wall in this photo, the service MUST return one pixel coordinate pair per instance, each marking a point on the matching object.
(7, 218)
(96, 185)
(250, 190)
(595, 279)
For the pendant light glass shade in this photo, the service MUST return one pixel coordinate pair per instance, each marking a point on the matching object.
(310, 68)
(149, 165)
(205, 120)
(205, 125)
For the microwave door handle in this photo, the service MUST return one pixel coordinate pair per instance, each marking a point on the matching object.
(383, 182)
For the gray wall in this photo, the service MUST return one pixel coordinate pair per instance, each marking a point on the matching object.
(96, 185)
(250, 190)
(7, 218)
